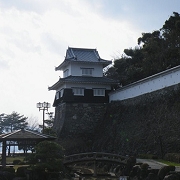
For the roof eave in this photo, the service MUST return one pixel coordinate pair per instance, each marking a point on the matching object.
(66, 62)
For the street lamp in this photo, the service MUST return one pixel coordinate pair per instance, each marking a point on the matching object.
(43, 106)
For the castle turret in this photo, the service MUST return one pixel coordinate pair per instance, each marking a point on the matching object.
(83, 79)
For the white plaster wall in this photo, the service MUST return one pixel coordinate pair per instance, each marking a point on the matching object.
(75, 69)
(85, 85)
(158, 81)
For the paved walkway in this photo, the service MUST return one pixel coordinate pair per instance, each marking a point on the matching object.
(155, 164)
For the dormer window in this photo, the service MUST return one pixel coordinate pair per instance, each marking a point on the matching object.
(87, 71)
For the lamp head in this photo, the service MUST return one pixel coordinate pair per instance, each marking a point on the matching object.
(39, 105)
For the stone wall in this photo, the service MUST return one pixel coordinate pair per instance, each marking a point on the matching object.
(77, 123)
(146, 124)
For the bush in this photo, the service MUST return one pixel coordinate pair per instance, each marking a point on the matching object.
(173, 157)
(21, 163)
(16, 161)
(31, 158)
(147, 156)
(6, 175)
(164, 171)
(9, 169)
(21, 171)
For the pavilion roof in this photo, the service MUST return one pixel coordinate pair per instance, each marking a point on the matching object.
(24, 134)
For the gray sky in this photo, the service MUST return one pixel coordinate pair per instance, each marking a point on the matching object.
(35, 34)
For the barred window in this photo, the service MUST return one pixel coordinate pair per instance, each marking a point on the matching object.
(99, 92)
(87, 71)
(78, 91)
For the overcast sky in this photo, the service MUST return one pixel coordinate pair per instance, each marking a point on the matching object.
(34, 36)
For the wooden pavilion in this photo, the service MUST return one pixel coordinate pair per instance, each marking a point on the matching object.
(23, 137)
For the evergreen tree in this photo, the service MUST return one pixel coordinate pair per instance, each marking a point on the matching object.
(155, 52)
(12, 122)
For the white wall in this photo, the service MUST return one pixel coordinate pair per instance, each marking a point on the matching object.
(158, 81)
(75, 69)
(85, 85)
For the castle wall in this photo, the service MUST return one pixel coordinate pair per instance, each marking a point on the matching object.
(150, 84)
(130, 126)
(78, 122)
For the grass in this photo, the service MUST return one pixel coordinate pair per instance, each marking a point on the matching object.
(9, 160)
(169, 163)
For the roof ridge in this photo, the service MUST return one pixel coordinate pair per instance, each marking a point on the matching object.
(35, 133)
(9, 134)
(82, 48)
(97, 54)
(72, 53)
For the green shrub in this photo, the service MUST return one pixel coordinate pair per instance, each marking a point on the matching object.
(21, 163)
(21, 171)
(6, 175)
(148, 156)
(9, 169)
(16, 161)
(164, 171)
(173, 157)
(144, 166)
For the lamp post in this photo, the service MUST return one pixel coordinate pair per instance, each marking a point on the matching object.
(43, 106)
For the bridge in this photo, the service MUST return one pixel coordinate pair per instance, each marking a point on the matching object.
(95, 157)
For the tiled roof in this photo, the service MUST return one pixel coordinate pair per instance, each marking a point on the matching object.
(82, 55)
(23, 135)
(83, 79)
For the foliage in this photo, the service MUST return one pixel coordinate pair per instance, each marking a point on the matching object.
(169, 163)
(48, 150)
(174, 157)
(13, 121)
(9, 169)
(50, 131)
(20, 172)
(155, 52)
(16, 161)
(48, 156)
(147, 156)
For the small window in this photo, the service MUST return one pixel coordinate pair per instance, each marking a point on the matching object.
(66, 73)
(87, 71)
(99, 92)
(78, 91)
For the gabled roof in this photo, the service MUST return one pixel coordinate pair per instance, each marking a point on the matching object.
(84, 55)
(23, 134)
(83, 80)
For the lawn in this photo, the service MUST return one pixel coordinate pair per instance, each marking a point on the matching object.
(169, 163)
(9, 160)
